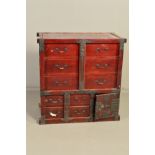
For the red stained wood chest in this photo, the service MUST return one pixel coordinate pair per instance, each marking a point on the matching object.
(80, 76)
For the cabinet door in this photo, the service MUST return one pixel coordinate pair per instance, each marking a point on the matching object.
(107, 106)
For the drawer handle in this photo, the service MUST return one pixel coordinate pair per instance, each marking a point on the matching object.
(53, 101)
(52, 114)
(101, 66)
(60, 66)
(78, 112)
(104, 49)
(100, 82)
(82, 99)
(59, 50)
(61, 82)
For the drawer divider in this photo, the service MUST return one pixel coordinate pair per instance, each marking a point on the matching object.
(82, 63)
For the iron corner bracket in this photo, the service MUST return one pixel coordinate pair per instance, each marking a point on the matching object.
(37, 34)
(41, 45)
(122, 41)
(44, 93)
(42, 120)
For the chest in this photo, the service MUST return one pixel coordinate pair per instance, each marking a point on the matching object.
(80, 76)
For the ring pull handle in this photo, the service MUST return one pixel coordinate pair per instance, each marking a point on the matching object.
(101, 66)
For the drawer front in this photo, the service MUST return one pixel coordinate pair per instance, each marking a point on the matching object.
(102, 50)
(61, 66)
(79, 111)
(61, 82)
(100, 81)
(101, 65)
(52, 101)
(61, 50)
(52, 112)
(76, 100)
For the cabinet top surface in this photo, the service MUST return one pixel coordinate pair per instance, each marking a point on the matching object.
(80, 35)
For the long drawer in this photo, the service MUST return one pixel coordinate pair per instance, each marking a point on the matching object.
(58, 100)
(58, 112)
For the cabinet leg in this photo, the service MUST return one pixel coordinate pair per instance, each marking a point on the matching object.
(41, 120)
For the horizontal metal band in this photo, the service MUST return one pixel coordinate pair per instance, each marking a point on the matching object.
(47, 93)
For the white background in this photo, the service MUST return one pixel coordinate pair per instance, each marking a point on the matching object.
(13, 77)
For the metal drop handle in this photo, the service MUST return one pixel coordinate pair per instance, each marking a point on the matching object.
(80, 112)
(61, 66)
(100, 82)
(53, 101)
(61, 82)
(102, 66)
(102, 49)
(59, 50)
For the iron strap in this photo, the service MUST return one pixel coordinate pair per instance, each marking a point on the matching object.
(66, 106)
(81, 63)
(92, 96)
(41, 45)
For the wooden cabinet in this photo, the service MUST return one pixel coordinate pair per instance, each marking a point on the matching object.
(80, 76)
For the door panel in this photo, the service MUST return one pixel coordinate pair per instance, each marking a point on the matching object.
(107, 106)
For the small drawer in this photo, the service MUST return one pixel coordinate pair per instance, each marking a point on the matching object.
(61, 82)
(52, 101)
(52, 112)
(61, 50)
(77, 99)
(83, 111)
(101, 65)
(102, 50)
(100, 81)
(61, 66)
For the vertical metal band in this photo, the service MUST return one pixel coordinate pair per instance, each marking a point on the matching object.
(119, 71)
(92, 106)
(121, 45)
(66, 106)
(41, 45)
(81, 63)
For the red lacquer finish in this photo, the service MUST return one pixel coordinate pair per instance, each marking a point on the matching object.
(78, 99)
(52, 67)
(102, 50)
(61, 50)
(80, 76)
(100, 81)
(96, 66)
(61, 82)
